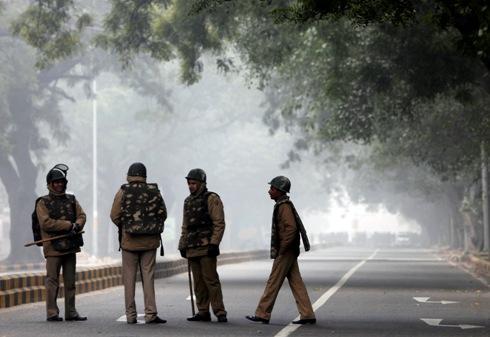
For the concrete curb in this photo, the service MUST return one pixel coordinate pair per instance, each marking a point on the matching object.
(471, 262)
(23, 288)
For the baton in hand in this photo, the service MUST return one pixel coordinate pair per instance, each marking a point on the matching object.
(50, 239)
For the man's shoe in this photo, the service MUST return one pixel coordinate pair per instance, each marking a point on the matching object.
(200, 318)
(257, 319)
(54, 319)
(157, 320)
(305, 321)
(76, 318)
(222, 319)
(132, 321)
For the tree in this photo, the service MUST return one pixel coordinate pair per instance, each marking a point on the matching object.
(361, 71)
(30, 100)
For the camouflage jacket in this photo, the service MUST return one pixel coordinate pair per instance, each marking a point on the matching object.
(197, 232)
(55, 214)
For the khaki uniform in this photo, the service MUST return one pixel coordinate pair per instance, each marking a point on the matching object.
(207, 285)
(285, 242)
(138, 252)
(56, 260)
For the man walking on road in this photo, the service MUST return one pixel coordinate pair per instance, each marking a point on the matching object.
(286, 231)
(203, 226)
(59, 213)
(139, 212)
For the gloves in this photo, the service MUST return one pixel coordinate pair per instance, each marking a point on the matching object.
(73, 231)
(213, 250)
(183, 253)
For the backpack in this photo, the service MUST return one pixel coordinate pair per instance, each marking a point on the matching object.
(142, 209)
(36, 227)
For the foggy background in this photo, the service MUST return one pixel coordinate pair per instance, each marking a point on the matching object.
(246, 110)
(217, 125)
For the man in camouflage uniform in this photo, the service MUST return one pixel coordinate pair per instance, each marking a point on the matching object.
(285, 239)
(203, 226)
(139, 212)
(59, 213)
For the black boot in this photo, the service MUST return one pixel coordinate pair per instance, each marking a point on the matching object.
(206, 317)
(305, 321)
(54, 319)
(157, 320)
(257, 319)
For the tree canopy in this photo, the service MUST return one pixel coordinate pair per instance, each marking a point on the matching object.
(410, 77)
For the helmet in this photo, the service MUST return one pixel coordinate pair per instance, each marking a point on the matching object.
(197, 174)
(137, 170)
(282, 183)
(58, 172)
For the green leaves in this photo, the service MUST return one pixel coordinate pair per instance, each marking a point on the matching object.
(52, 28)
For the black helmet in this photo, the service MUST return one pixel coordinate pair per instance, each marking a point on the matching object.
(58, 172)
(137, 170)
(197, 174)
(282, 183)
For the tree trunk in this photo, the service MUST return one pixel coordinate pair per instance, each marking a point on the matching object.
(18, 175)
(484, 178)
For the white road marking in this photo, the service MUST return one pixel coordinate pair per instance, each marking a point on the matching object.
(290, 328)
(188, 298)
(379, 259)
(437, 322)
(426, 300)
(139, 321)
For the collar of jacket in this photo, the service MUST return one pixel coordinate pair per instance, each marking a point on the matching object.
(135, 179)
(282, 199)
(200, 191)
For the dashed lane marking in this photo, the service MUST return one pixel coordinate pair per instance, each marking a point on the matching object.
(290, 328)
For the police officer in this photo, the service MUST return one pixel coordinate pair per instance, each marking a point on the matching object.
(60, 213)
(203, 226)
(139, 212)
(285, 239)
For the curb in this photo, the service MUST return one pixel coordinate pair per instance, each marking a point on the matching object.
(470, 262)
(23, 288)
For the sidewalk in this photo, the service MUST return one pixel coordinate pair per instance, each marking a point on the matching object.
(24, 287)
(475, 263)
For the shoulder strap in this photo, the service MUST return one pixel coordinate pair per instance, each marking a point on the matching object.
(73, 202)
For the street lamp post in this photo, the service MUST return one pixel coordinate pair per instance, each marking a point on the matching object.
(94, 169)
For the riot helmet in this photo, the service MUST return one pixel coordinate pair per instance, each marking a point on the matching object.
(281, 183)
(137, 170)
(197, 174)
(58, 172)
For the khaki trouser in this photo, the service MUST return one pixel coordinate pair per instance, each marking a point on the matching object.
(53, 266)
(207, 285)
(285, 266)
(145, 261)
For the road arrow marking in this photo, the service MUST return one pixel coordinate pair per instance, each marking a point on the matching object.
(139, 321)
(437, 322)
(426, 300)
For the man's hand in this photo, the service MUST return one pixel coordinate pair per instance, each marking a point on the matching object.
(213, 250)
(183, 253)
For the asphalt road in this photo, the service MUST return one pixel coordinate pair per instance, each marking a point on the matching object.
(356, 292)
